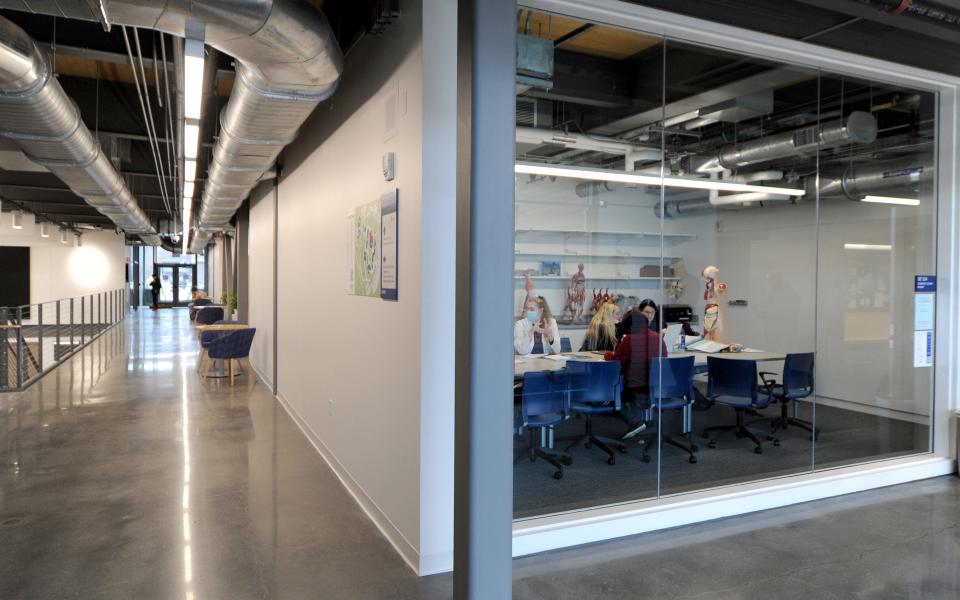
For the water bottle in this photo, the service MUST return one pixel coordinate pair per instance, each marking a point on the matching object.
(683, 342)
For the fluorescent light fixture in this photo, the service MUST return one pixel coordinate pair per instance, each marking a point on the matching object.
(892, 200)
(192, 78)
(189, 170)
(44, 230)
(886, 247)
(188, 189)
(63, 236)
(17, 219)
(191, 137)
(626, 177)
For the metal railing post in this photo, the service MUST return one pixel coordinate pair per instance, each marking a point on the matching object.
(19, 347)
(40, 337)
(4, 351)
(71, 324)
(83, 316)
(56, 344)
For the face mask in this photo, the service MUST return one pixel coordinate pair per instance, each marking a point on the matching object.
(533, 315)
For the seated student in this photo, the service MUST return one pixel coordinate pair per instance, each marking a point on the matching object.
(601, 332)
(634, 353)
(537, 332)
(197, 293)
(647, 308)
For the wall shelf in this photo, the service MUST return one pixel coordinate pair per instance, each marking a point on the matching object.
(592, 256)
(650, 234)
(566, 278)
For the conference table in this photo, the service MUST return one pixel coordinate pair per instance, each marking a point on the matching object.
(557, 362)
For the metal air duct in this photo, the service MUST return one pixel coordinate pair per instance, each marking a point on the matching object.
(38, 116)
(288, 61)
(892, 177)
(857, 128)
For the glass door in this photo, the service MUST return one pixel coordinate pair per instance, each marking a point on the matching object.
(177, 282)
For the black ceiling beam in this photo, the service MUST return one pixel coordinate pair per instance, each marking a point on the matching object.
(563, 39)
(926, 27)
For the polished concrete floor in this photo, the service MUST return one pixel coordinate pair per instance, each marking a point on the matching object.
(122, 476)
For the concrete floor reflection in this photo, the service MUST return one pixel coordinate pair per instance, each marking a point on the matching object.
(124, 476)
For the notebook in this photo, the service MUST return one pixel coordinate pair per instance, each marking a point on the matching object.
(707, 346)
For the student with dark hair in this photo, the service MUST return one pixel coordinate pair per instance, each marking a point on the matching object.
(634, 353)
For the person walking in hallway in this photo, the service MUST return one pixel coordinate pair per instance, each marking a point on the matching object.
(155, 290)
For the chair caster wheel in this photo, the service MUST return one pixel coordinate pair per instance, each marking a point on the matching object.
(776, 442)
(558, 475)
(646, 458)
(694, 448)
(566, 460)
(770, 438)
(712, 445)
(758, 450)
(693, 460)
(611, 461)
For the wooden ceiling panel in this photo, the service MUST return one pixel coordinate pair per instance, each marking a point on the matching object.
(595, 40)
(610, 42)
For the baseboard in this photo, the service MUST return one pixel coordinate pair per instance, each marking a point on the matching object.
(390, 531)
(264, 380)
(542, 534)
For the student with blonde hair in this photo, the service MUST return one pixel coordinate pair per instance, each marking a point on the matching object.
(601, 332)
(537, 331)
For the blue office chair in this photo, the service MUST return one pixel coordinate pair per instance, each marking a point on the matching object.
(671, 388)
(206, 338)
(797, 384)
(595, 390)
(545, 402)
(565, 345)
(208, 315)
(233, 347)
(733, 382)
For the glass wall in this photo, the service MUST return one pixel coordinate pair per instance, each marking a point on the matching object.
(740, 239)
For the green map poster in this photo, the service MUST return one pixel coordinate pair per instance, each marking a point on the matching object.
(364, 250)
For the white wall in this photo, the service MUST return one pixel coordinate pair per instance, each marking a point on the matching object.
(361, 375)
(59, 271)
(261, 290)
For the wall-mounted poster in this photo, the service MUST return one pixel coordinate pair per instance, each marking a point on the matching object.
(389, 211)
(365, 250)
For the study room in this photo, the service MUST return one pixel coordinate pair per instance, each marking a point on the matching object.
(725, 267)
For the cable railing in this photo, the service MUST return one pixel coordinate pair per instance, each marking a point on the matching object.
(36, 338)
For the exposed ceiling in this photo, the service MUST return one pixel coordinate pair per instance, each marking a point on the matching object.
(622, 100)
(93, 66)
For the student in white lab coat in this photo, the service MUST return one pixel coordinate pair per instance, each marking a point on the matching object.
(537, 331)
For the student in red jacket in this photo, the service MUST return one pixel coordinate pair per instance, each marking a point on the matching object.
(634, 353)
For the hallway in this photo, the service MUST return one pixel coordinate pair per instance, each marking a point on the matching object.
(125, 477)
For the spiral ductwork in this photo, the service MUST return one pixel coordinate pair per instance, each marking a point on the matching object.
(38, 116)
(288, 61)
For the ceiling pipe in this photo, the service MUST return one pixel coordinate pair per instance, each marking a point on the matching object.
(579, 142)
(892, 177)
(288, 61)
(856, 128)
(38, 116)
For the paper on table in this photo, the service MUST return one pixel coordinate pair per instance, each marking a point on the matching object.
(707, 346)
(751, 350)
(557, 357)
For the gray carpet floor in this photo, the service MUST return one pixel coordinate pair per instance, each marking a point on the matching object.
(847, 437)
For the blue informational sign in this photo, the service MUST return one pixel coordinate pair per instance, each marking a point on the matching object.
(925, 283)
